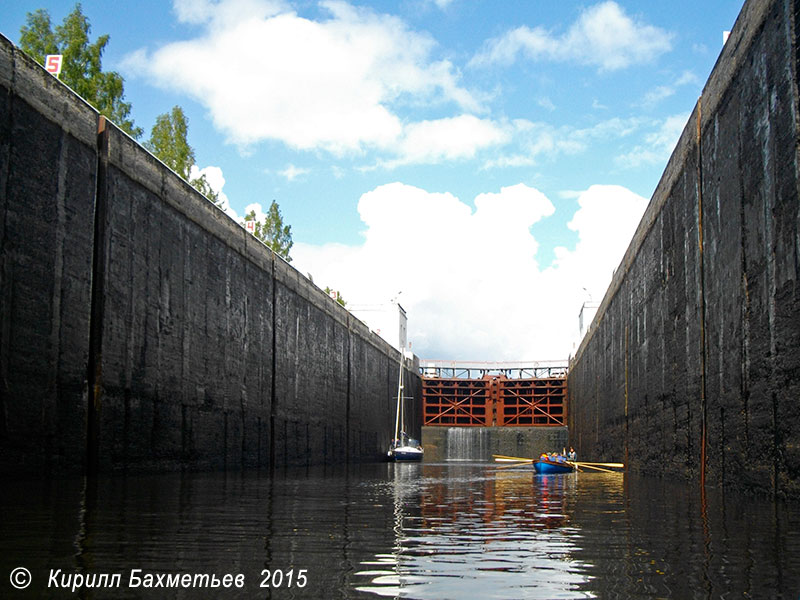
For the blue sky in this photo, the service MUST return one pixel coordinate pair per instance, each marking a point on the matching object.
(488, 159)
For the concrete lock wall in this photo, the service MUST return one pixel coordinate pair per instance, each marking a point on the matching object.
(691, 367)
(141, 327)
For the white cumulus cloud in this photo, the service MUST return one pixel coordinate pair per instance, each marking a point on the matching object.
(605, 222)
(216, 180)
(603, 36)
(448, 139)
(471, 282)
(265, 73)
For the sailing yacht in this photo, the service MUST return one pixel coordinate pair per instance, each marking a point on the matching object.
(403, 448)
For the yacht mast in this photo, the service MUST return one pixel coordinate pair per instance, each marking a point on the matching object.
(398, 421)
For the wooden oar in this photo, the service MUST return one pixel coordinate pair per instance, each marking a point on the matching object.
(601, 464)
(501, 458)
(516, 463)
(581, 465)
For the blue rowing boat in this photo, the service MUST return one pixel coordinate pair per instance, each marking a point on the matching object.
(547, 467)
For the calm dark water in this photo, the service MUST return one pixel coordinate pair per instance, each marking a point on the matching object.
(430, 531)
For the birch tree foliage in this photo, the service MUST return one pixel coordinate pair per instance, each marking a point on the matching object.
(169, 143)
(272, 231)
(82, 66)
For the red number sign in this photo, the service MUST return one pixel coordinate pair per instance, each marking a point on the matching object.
(53, 63)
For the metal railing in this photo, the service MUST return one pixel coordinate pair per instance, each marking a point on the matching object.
(452, 369)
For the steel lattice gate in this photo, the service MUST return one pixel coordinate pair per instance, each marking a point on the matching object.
(494, 401)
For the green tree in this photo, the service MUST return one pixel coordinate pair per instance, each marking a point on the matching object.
(273, 232)
(201, 185)
(82, 68)
(169, 143)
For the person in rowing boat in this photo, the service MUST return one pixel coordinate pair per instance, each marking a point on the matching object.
(573, 456)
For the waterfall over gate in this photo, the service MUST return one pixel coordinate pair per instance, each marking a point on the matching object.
(467, 443)
(478, 444)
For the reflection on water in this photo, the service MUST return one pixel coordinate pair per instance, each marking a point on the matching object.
(457, 530)
(464, 532)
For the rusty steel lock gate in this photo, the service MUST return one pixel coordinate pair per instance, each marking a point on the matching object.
(494, 400)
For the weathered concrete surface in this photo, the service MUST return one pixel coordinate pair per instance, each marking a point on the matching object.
(480, 443)
(47, 175)
(141, 328)
(692, 365)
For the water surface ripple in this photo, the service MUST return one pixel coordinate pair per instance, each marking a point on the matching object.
(424, 531)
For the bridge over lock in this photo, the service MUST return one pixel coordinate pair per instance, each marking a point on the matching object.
(471, 410)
